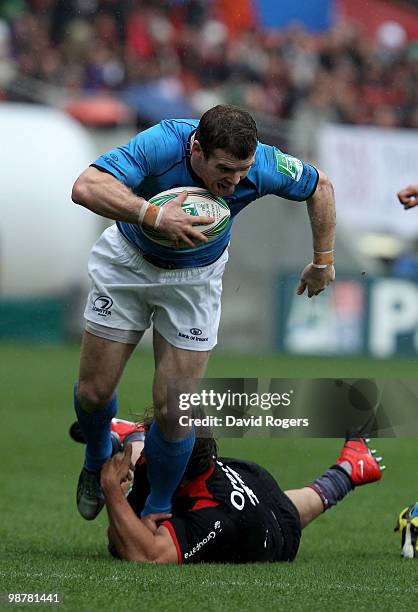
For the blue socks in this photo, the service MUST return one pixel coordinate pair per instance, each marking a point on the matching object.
(333, 486)
(96, 428)
(166, 461)
(166, 464)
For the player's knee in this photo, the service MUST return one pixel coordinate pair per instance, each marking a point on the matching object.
(93, 396)
(168, 415)
(160, 404)
(161, 414)
(165, 422)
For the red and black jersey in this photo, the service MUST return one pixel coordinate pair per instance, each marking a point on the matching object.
(233, 513)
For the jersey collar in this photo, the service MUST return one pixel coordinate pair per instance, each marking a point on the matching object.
(192, 173)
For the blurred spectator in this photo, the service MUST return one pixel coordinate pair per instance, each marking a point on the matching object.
(7, 68)
(406, 264)
(210, 51)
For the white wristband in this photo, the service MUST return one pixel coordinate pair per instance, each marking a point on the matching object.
(324, 252)
(142, 212)
(320, 266)
(159, 217)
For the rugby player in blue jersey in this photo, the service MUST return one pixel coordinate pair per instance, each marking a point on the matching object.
(136, 282)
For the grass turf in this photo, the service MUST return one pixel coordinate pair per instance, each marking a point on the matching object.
(348, 558)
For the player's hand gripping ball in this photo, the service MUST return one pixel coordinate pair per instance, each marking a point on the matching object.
(199, 202)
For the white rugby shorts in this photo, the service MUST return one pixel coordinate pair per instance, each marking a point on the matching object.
(128, 293)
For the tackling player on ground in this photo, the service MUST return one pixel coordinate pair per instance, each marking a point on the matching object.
(225, 510)
(136, 281)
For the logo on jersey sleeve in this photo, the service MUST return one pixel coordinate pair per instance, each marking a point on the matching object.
(288, 165)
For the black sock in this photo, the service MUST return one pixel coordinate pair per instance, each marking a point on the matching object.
(332, 486)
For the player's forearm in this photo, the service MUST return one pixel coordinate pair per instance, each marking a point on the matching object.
(134, 542)
(321, 209)
(103, 194)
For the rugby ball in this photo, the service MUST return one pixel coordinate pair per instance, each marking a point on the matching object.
(198, 202)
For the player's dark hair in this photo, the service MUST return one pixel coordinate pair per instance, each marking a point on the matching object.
(204, 453)
(229, 128)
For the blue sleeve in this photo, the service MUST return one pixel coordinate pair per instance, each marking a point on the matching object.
(283, 175)
(149, 152)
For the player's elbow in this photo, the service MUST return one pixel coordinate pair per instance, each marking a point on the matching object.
(134, 551)
(125, 553)
(138, 556)
(324, 183)
(82, 190)
(131, 556)
(324, 191)
(79, 193)
(155, 552)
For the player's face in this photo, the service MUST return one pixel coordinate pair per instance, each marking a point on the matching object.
(221, 172)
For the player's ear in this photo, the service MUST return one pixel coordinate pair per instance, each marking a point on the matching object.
(197, 148)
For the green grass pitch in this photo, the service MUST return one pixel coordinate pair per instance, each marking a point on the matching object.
(349, 559)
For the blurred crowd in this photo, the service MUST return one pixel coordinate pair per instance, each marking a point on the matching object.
(208, 51)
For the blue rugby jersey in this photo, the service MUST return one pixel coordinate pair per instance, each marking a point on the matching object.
(158, 159)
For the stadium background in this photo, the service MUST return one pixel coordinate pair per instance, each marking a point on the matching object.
(337, 85)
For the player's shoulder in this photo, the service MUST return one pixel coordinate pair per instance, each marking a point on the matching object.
(265, 156)
(165, 143)
(263, 162)
(175, 130)
(180, 127)
(279, 173)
